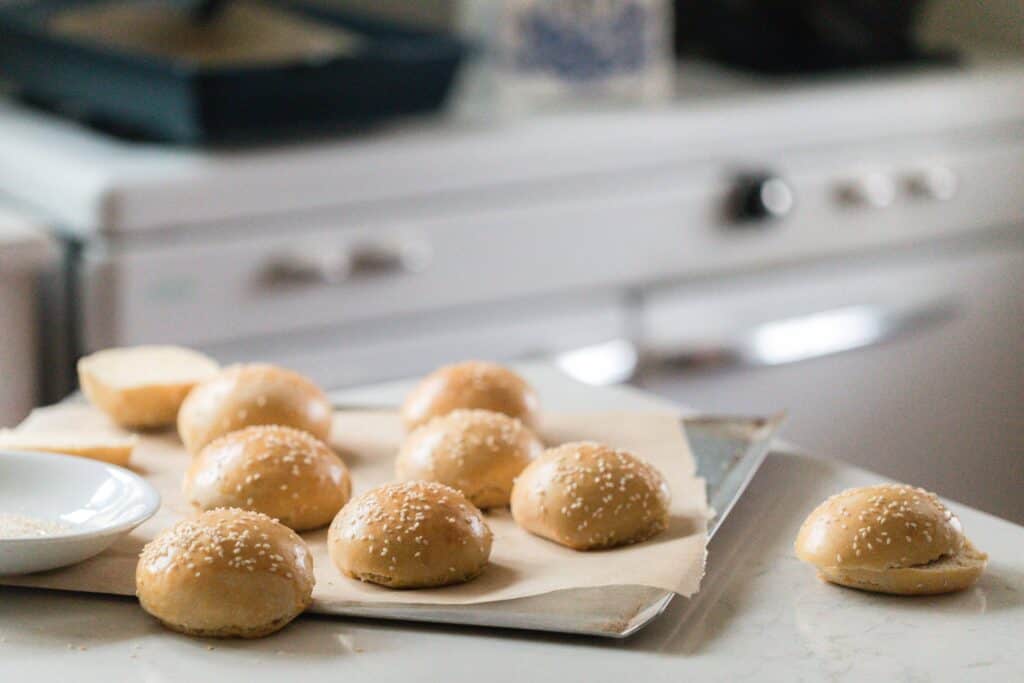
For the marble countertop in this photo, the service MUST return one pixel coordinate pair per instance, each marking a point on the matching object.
(760, 615)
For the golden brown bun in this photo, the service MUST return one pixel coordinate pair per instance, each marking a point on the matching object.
(116, 450)
(473, 384)
(889, 538)
(412, 535)
(226, 573)
(586, 495)
(478, 452)
(255, 394)
(142, 387)
(279, 471)
(947, 574)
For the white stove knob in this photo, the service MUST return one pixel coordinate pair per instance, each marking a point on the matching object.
(870, 190)
(933, 182)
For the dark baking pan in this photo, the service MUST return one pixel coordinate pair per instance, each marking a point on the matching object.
(395, 71)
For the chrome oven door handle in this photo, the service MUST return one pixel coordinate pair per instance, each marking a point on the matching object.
(803, 337)
(616, 361)
(775, 342)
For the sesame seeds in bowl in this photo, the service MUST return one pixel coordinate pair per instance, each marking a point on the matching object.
(77, 508)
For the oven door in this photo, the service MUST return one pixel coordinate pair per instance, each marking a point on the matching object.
(909, 365)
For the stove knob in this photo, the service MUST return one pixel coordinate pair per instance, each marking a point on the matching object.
(871, 190)
(933, 182)
(761, 197)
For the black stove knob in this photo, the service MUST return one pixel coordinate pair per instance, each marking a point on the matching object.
(759, 197)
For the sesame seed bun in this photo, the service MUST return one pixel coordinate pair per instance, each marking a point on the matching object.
(889, 538)
(227, 573)
(472, 384)
(412, 535)
(478, 452)
(255, 394)
(587, 496)
(142, 387)
(279, 471)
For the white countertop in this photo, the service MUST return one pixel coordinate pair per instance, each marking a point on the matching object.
(761, 615)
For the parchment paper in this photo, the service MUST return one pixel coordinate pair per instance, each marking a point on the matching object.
(521, 564)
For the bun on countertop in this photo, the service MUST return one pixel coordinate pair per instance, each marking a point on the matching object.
(411, 535)
(226, 573)
(471, 385)
(116, 450)
(890, 538)
(279, 471)
(142, 387)
(587, 495)
(240, 396)
(478, 452)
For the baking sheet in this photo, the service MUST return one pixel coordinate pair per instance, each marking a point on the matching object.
(728, 451)
(522, 565)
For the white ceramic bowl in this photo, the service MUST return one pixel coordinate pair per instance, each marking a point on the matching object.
(98, 502)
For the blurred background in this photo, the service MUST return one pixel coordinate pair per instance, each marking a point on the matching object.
(746, 206)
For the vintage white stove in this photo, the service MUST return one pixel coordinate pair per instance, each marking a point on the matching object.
(739, 225)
